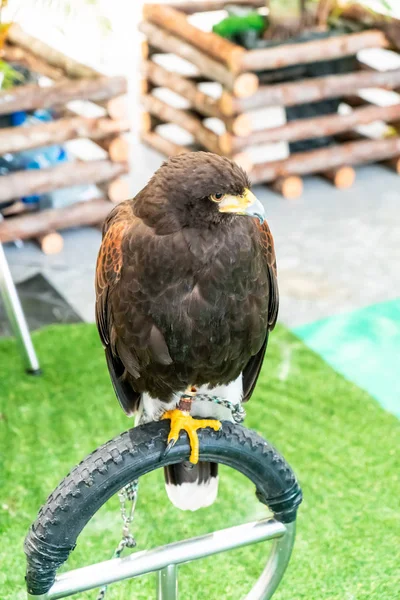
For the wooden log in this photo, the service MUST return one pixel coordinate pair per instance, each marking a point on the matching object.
(148, 122)
(184, 119)
(244, 161)
(365, 15)
(117, 148)
(318, 161)
(161, 144)
(53, 57)
(324, 9)
(309, 90)
(27, 183)
(50, 243)
(341, 177)
(30, 97)
(118, 190)
(212, 44)
(238, 126)
(393, 164)
(287, 55)
(304, 129)
(290, 187)
(117, 107)
(201, 102)
(212, 5)
(182, 86)
(145, 87)
(16, 208)
(16, 139)
(242, 86)
(39, 223)
(30, 61)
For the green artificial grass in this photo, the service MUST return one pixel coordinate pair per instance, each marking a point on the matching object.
(341, 444)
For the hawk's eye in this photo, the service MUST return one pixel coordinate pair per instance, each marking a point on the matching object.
(217, 197)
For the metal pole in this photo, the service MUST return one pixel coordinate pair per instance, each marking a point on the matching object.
(148, 561)
(16, 315)
(167, 583)
(275, 568)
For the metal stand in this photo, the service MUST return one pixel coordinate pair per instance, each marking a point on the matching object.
(164, 561)
(167, 583)
(16, 316)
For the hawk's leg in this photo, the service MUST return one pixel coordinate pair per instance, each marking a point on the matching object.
(182, 421)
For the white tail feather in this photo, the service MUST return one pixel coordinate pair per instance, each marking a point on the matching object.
(192, 496)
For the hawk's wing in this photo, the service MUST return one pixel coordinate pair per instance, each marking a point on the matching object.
(253, 367)
(108, 274)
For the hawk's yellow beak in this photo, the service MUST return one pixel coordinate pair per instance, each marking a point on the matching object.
(246, 204)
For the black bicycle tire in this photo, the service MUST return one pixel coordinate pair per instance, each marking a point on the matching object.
(132, 454)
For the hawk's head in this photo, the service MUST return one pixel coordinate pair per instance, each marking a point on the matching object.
(202, 188)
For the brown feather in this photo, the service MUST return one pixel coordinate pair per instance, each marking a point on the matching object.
(185, 295)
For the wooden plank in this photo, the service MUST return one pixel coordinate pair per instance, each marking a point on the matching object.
(309, 90)
(27, 183)
(182, 86)
(304, 129)
(162, 145)
(212, 44)
(30, 97)
(318, 161)
(203, 103)
(184, 119)
(34, 225)
(16, 139)
(194, 6)
(50, 55)
(242, 85)
(287, 55)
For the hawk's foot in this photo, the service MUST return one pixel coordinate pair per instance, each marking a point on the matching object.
(182, 421)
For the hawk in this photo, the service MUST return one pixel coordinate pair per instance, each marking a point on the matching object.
(186, 295)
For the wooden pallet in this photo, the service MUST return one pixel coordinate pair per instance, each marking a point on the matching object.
(68, 81)
(242, 75)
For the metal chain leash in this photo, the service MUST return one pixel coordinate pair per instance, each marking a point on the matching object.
(237, 410)
(127, 494)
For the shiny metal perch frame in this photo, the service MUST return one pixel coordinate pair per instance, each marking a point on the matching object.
(16, 315)
(125, 459)
(165, 560)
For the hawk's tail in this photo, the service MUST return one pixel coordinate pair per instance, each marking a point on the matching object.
(190, 487)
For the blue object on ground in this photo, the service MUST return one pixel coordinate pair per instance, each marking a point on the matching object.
(364, 346)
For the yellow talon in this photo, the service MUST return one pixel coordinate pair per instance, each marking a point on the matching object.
(183, 421)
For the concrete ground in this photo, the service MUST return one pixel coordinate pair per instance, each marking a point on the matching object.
(336, 250)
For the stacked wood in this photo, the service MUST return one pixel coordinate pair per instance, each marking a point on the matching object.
(341, 177)
(190, 7)
(184, 119)
(16, 139)
(118, 190)
(72, 68)
(309, 90)
(50, 243)
(394, 164)
(318, 161)
(201, 102)
(163, 145)
(304, 129)
(253, 86)
(69, 80)
(37, 224)
(290, 187)
(41, 181)
(31, 96)
(314, 51)
(242, 85)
